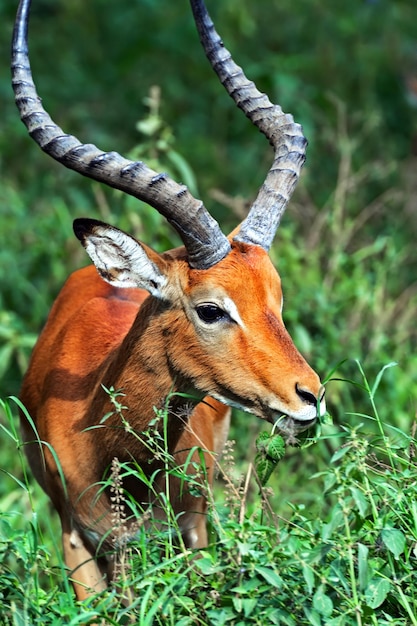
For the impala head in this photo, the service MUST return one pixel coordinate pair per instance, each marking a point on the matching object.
(220, 295)
(224, 334)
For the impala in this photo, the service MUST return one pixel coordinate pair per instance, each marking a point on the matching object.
(204, 320)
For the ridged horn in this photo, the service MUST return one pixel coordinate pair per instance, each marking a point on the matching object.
(285, 136)
(205, 243)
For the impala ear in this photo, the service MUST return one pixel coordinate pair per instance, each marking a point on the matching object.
(120, 259)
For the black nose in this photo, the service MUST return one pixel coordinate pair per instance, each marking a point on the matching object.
(307, 396)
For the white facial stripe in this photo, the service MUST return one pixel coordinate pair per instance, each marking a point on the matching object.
(227, 402)
(230, 307)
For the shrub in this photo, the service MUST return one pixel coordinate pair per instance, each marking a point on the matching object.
(348, 560)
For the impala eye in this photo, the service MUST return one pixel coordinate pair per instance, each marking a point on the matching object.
(211, 313)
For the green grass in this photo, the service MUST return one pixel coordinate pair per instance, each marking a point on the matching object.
(334, 543)
(332, 539)
(349, 559)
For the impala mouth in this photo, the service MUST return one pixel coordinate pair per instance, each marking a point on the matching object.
(288, 424)
(282, 422)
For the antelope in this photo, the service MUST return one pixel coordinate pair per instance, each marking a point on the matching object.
(202, 321)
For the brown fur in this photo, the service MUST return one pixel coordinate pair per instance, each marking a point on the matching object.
(146, 347)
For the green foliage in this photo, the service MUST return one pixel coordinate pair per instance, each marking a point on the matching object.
(346, 247)
(270, 450)
(349, 560)
(132, 77)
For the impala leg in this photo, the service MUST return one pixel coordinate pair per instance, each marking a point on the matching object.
(209, 428)
(196, 537)
(221, 430)
(86, 575)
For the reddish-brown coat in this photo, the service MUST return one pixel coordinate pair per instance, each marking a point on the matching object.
(146, 347)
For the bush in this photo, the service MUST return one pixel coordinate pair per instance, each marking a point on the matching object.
(340, 545)
(348, 560)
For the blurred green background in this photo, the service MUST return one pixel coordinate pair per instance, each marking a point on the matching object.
(130, 75)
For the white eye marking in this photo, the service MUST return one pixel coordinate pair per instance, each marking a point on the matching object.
(231, 309)
(75, 540)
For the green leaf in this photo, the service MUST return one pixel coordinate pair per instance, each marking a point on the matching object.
(219, 617)
(271, 446)
(186, 174)
(337, 621)
(329, 481)
(264, 467)
(362, 565)
(394, 540)
(243, 547)
(360, 501)
(380, 375)
(308, 577)
(336, 520)
(237, 604)
(276, 448)
(248, 605)
(244, 605)
(339, 454)
(376, 592)
(322, 602)
(313, 617)
(270, 576)
(333, 370)
(207, 565)
(149, 126)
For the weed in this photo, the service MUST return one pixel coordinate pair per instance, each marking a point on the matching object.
(348, 561)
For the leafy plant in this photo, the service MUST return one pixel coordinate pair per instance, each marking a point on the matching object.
(350, 560)
(339, 547)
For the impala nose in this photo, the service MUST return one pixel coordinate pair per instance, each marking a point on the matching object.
(308, 396)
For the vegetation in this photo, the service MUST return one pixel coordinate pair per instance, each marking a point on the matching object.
(334, 541)
(353, 562)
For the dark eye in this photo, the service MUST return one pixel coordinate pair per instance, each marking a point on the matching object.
(211, 313)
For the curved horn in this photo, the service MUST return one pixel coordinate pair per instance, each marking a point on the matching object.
(205, 243)
(282, 132)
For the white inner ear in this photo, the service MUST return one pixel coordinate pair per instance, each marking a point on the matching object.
(123, 262)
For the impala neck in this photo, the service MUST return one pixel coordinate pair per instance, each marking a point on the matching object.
(142, 372)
